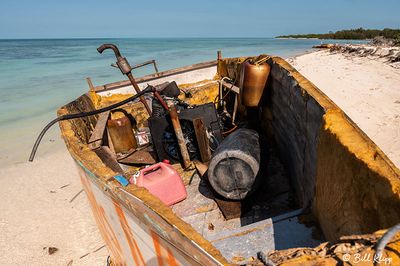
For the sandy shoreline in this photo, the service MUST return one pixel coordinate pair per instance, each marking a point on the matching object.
(36, 210)
(366, 89)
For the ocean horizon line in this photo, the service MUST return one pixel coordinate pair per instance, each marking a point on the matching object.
(128, 38)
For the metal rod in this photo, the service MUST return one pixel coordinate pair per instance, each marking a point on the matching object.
(161, 100)
(153, 62)
(137, 89)
(126, 69)
(179, 136)
(155, 66)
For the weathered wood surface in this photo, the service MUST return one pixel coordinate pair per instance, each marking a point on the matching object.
(108, 158)
(202, 139)
(90, 83)
(297, 119)
(230, 86)
(98, 134)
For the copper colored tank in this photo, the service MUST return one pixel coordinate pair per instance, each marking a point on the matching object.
(254, 82)
(121, 135)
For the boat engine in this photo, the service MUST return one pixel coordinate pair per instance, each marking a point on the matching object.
(164, 139)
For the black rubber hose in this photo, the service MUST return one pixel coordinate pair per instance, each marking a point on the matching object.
(83, 114)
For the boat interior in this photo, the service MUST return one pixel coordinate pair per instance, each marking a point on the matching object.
(304, 194)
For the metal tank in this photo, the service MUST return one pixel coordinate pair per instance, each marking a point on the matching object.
(235, 164)
(254, 82)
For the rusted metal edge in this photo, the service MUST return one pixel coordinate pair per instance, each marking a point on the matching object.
(175, 71)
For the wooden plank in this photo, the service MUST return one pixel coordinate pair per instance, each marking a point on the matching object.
(230, 209)
(202, 139)
(201, 167)
(96, 139)
(219, 55)
(107, 157)
(230, 86)
(140, 157)
(162, 74)
(90, 83)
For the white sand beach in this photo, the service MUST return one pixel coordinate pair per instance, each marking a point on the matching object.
(38, 207)
(42, 206)
(367, 89)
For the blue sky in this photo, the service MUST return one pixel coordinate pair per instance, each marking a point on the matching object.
(201, 18)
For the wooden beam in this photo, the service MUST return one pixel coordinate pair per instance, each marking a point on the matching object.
(202, 139)
(89, 82)
(97, 137)
(219, 55)
(230, 86)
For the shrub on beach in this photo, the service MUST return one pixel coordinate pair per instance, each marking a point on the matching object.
(353, 34)
(397, 40)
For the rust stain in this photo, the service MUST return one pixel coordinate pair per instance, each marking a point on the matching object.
(157, 248)
(135, 251)
(171, 258)
(103, 224)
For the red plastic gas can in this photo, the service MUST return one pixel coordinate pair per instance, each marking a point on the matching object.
(163, 181)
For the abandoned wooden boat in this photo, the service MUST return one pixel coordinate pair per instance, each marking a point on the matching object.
(324, 180)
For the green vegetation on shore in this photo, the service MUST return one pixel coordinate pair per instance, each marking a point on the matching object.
(353, 34)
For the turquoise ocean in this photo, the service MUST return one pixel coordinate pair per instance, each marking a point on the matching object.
(38, 76)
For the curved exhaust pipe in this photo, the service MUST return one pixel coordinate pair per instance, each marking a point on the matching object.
(125, 68)
(111, 46)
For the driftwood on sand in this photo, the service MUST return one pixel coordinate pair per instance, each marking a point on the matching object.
(390, 54)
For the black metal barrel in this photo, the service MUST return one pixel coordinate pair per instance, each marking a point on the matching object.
(235, 164)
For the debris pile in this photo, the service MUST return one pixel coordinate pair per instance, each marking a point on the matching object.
(211, 136)
(348, 249)
(390, 54)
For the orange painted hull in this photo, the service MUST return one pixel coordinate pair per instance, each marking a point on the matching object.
(130, 240)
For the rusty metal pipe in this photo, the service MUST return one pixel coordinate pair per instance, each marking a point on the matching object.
(137, 89)
(111, 46)
(153, 62)
(179, 136)
(161, 100)
(125, 68)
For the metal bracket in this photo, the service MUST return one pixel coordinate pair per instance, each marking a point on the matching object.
(153, 62)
